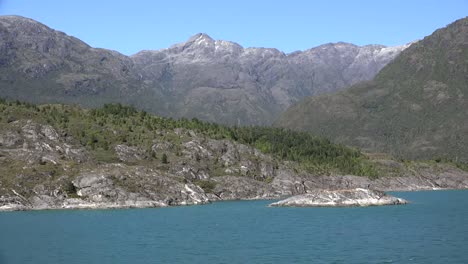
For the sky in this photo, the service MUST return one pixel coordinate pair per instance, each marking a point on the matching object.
(130, 26)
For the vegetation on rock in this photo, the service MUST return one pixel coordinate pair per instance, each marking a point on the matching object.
(101, 130)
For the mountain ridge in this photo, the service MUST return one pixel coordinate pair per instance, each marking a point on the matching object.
(415, 107)
(213, 80)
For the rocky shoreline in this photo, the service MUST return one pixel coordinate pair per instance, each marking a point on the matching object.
(340, 198)
(123, 186)
(42, 169)
(198, 197)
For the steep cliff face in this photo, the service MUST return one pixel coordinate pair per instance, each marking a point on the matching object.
(214, 80)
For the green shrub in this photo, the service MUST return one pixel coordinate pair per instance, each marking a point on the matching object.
(207, 185)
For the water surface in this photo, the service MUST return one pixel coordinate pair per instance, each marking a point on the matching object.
(432, 229)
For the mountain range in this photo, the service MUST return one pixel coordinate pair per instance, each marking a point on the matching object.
(416, 106)
(213, 80)
(408, 101)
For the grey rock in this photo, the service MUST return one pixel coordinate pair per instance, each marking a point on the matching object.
(162, 146)
(340, 198)
(231, 156)
(122, 184)
(40, 202)
(190, 170)
(236, 188)
(32, 142)
(129, 154)
(10, 139)
(49, 132)
(12, 203)
(196, 151)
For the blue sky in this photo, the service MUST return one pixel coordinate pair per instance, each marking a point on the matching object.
(130, 26)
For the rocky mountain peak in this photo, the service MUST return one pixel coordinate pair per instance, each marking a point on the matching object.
(200, 38)
(195, 42)
(214, 80)
(32, 35)
(202, 45)
(335, 45)
(27, 27)
(17, 20)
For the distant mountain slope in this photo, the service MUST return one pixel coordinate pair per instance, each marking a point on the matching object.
(39, 64)
(221, 81)
(212, 80)
(416, 107)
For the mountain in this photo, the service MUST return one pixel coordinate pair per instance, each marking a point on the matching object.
(213, 80)
(223, 82)
(39, 64)
(61, 156)
(416, 106)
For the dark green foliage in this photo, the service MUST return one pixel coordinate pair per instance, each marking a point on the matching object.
(207, 185)
(100, 130)
(314, 153)
(458, 164)
(70, 189)
(164, 159)
(462, 166)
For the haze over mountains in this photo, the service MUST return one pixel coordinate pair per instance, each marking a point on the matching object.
(214, 80)
(416, 107)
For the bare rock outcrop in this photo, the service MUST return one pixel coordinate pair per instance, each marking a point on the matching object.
(340, 198)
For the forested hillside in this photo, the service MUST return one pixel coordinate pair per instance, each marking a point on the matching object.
(416, 107)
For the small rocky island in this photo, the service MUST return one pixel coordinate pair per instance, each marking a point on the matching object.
(340, 198)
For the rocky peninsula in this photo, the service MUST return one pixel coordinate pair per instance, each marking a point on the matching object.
(340, 198)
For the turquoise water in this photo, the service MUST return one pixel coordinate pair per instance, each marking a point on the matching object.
(433, 229)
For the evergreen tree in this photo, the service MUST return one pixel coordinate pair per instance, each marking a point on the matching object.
(164, 158)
